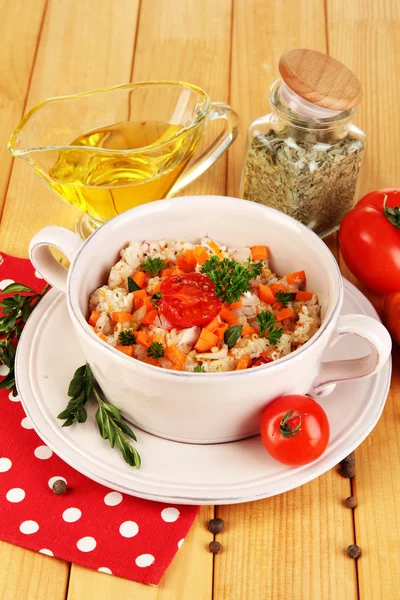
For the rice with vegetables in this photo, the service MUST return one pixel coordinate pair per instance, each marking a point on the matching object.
(202, 308)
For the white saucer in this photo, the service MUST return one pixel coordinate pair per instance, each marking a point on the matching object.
(48, 354)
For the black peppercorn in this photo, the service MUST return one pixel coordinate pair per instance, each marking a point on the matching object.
(349, 460)
(216, 525)
(59, 487)
(353, 551)
(214, 547)
(348, 470)
(351, 502)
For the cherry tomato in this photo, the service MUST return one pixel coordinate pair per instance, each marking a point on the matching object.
(369, 237)
(189, 299)
(392, 315)
(295, 430)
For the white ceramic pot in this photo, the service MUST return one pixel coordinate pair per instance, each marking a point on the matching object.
(208, 407)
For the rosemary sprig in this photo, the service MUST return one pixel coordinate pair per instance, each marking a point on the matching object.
(15, 312)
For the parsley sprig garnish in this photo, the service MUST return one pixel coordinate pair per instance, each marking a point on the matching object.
(126, 338)
(198, 369)
(230, 277)
(155, 350)
(108, 417)
(153, 265)
(267, 324)
(15, 312)
(285, 297)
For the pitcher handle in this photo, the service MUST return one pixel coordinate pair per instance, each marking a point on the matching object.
(219, 110)
(377, 338)
(45, 263)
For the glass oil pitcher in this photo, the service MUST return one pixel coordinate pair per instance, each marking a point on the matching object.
(110, 150)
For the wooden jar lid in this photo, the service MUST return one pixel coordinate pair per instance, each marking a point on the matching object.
(320, 79)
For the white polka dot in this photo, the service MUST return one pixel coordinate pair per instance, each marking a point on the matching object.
(15, 495)
(4, 370)
(129, 529)
(181, 542)
(86, 544)
(170, 514)
(52, 480)
(29, 527)
(1, 259)
(26, 423)
(38, 275)
(70, 515)
(13, 398)
(145, 560)
(43, 452)
(46, 551)
(113, 498)
(5, 464)
(5, 282)
(105, 570)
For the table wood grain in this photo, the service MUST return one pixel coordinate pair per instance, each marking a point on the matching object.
(291, 547)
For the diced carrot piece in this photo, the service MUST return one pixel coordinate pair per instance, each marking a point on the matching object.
(187, 262)
(143, 339)
(166, 272)
(277, 287)
(94, 317)
(243, 362)
(159, 337)
(206, 341)
(149, 317)
(138, 298)
(128, 350)
(178, 366)
(296, 277)
(248, 330)
(259, 252)
(277, 305)
(151, 361)
(175, 355)
(228, 316)
(140, 279)
(285, 313)
(147, 303)
(265, 293)
(200, 254)
(303, 296)
(212, 326)
(220, 331)
(102, 336)
(121, 317)
(177, 271)
(237, 304)
(157, 288)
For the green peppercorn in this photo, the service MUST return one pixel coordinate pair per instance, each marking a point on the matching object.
(59, 487)
(351, 502)
(214, 547)
(216, 525)
(353, 551)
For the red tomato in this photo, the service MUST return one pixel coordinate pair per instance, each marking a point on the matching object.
(189, 299)
(369, 240)
(392, 315)
(295, 430)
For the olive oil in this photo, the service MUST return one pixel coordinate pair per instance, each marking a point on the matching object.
(112, 169)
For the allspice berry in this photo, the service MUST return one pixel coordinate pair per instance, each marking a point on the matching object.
(214, 547)
(347, 470)
(353, 551)
(351, 502)
(349, 460)
(59, 487)
(216, 525)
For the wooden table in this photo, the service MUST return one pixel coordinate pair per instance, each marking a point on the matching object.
(291, 547)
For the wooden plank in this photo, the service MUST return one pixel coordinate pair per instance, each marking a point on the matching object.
(189, 576)
(84, 46)
(17, 58)
(290, 546)
(374, 28)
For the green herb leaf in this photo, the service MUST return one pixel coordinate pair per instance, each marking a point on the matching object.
(126, 338)
(153, 265)
(198, 369)
(155, 350)
(232, 335)
(17, 287)
(80, 391)
(285, 297)
(267, 324)
(132, 285)
(155, 299)
(231, 278)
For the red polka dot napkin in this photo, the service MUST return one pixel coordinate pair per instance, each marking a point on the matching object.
(90, 524)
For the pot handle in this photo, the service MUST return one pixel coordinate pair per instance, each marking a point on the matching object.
(374, 334)
(45, 263)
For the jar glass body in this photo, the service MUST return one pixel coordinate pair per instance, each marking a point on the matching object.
(305, 167)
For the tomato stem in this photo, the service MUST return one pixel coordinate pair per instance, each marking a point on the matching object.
(392, 214)
(284, 426)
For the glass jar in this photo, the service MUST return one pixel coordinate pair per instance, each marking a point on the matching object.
(303, 160)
